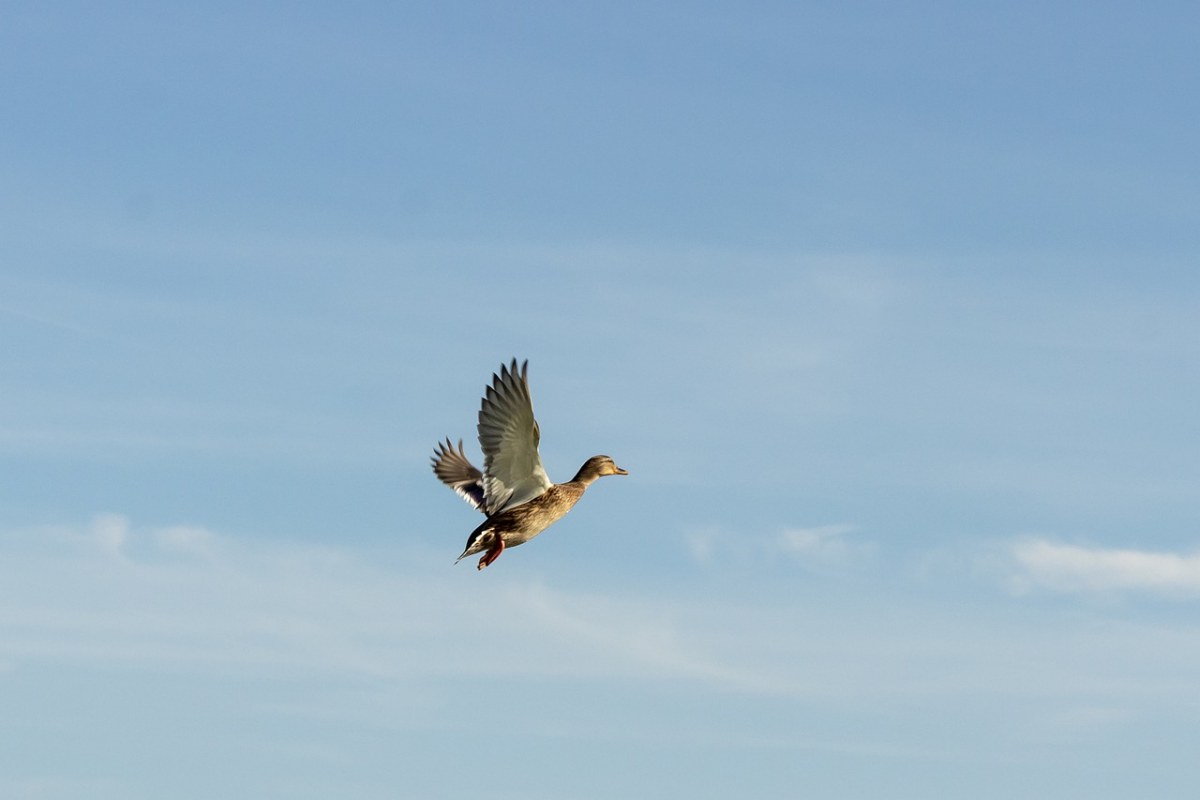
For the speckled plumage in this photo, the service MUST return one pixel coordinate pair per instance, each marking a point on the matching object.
(513, 490)
(521, 523)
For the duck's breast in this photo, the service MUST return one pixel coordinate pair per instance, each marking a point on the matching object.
(535, 516)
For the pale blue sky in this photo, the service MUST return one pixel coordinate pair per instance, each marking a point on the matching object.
(893, 315)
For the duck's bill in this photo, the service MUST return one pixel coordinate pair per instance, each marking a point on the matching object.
(620, 471)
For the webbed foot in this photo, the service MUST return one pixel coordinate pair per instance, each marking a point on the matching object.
(492, 554)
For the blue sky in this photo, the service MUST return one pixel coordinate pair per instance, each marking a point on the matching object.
(892, 314)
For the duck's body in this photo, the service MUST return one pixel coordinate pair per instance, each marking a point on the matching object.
(513, 490)
(521, 523)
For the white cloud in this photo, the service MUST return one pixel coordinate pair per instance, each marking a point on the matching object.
(825, 544)
(186, 539)
(1072, 568)
(825, 540)
(701, 544)
(110, 532)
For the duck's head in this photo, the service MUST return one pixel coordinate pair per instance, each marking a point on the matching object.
(597, 467)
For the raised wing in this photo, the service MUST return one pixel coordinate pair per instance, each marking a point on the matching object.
(508, 433)
(453, 469)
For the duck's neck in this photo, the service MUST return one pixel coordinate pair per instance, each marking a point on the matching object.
(587, 475)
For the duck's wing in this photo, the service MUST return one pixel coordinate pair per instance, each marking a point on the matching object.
(454, 469)
(508, 433)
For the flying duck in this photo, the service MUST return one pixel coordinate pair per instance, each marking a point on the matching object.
(513, 491)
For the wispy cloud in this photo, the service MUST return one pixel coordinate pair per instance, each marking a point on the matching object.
(111, 592)
(824, 543)
(1073, 568)
(397, 639)
(813, 546)
(115, 594)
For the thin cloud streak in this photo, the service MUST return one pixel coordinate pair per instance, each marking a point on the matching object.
(1072, 568)
(818, 546)
(824, 544)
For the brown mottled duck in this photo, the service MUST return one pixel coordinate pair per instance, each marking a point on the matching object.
(513, 490)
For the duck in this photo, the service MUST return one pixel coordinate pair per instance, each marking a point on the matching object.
(512, 491)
